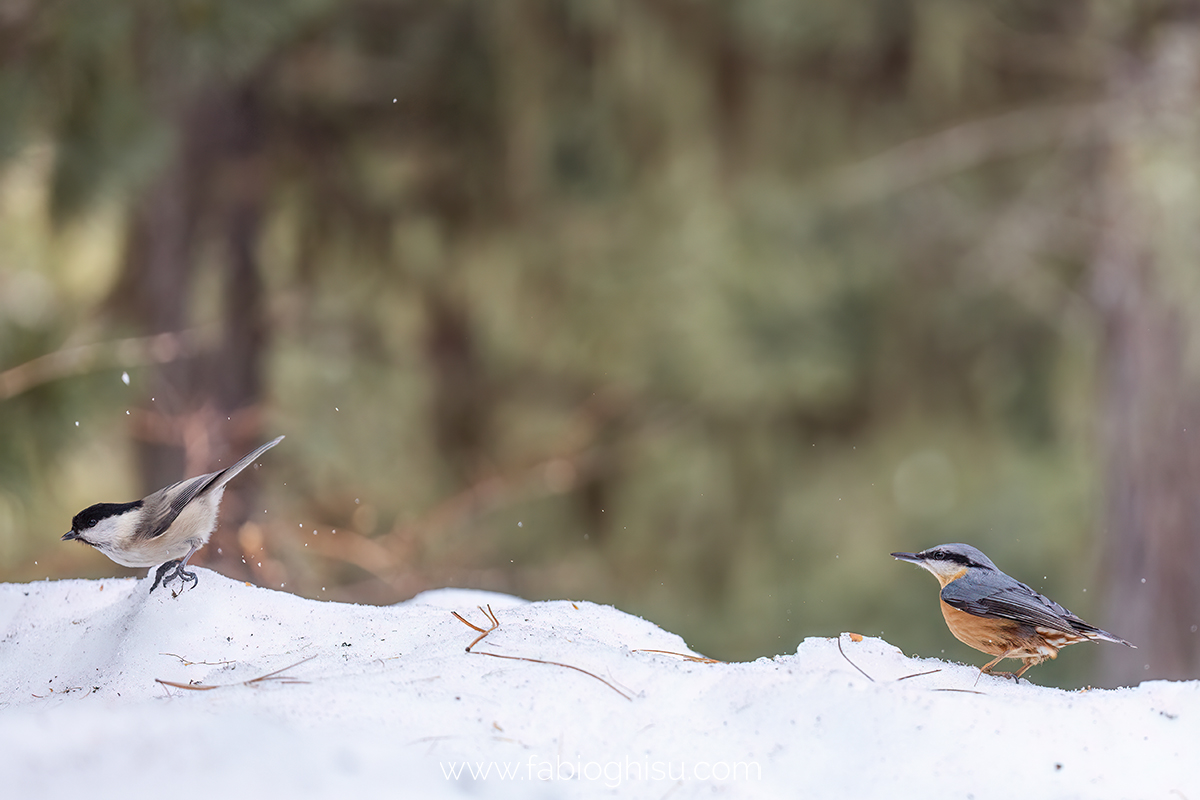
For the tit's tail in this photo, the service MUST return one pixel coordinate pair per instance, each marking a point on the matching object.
(226, 475)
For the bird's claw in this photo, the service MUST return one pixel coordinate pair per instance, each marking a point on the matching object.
(177, 570)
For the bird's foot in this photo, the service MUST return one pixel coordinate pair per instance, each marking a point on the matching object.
(173, 570)
(158, 576)
(1016, 676)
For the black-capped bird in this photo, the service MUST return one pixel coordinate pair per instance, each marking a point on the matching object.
(165, 528)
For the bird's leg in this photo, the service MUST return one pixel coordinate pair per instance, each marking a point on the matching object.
(180, 571)
(158, 576)
(987, 668)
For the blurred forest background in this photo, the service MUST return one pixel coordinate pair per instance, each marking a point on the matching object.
(696, 308)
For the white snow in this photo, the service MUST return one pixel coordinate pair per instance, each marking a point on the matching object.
(369, 702)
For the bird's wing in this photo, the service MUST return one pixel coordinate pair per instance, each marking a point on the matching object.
(183, 493)
(1014, 601)
(188, 490)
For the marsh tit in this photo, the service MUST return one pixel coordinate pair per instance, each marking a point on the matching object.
(165, 528)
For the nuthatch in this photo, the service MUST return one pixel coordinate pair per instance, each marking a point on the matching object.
(997, 614)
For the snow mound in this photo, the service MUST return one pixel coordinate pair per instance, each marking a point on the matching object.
(300, 698)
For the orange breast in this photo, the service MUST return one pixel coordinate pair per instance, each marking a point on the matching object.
(992, 636)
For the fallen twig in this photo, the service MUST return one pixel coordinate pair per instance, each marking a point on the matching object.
(491, 615)
(560, 664)
(187, 663)
(270, 676)
(495, 623)
(851, 663)
(684, 656)
(902, 678)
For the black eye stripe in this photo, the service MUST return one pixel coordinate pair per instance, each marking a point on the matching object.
(942, 555)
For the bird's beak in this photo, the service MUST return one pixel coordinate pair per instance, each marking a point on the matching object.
(68, 536)
(910, 557)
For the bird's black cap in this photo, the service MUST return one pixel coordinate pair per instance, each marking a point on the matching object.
(92, 514)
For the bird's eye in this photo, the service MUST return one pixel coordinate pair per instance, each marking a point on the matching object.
(91, 523)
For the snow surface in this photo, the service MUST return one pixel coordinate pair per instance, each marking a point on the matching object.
(365, 702)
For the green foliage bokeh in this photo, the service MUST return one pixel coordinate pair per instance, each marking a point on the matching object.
(743, 321)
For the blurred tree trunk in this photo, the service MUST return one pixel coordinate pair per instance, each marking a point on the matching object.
(462, 396)
(1145, 280)
(204, 409)
(152, 295)
(236, 376)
